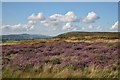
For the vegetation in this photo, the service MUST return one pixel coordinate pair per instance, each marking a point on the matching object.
(55, 71)
(89, 35)
(59, 58)
(18, 37)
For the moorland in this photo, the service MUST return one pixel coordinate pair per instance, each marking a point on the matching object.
(68, 55)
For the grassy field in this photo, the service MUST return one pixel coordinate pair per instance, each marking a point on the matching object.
(69, 55)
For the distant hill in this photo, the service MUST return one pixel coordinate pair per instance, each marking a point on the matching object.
(89, 35)
(22, 37)
(69, 35)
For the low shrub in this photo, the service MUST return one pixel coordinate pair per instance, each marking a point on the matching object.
(56, 61)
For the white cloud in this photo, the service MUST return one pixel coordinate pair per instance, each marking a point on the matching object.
(67, 26)
(55, 22)
(99, 28)
(74, 29)
(31, 22)
(49, 23)
(5, 27)
(82, 28)
(39, 16)
(19, 27)
(91, 17)
(60, 19)
(114, 26)
(57, 19)
(91, 27)
(68, 17)
(32, 17)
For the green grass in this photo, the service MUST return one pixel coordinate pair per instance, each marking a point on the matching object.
(89, 35)
(55, 71)
(110, 45)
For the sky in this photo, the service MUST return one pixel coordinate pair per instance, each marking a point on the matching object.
(60, 0)
(53, 18)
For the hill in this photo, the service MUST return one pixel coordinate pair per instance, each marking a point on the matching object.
(89, 35)
(22, 37)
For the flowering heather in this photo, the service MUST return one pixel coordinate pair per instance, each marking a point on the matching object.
(77, 55)
(88, 53)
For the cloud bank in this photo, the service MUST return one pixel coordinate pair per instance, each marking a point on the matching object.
(64, 22)
(115, 26)
(19, 27)
(57, 19)
(91, 17)
(39, 16)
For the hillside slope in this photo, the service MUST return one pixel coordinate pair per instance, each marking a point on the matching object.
(23, 37)
(89, 35)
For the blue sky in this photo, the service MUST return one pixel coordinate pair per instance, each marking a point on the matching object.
(60, 0)
(103, 16)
